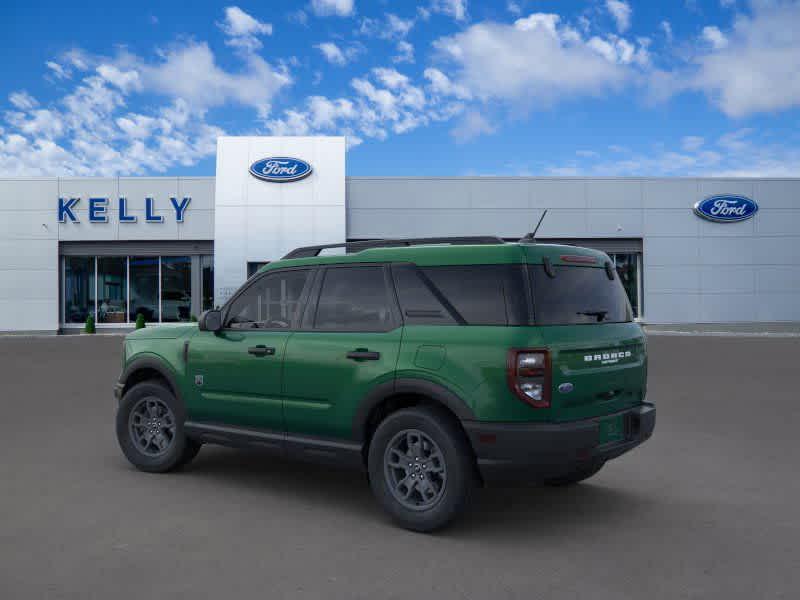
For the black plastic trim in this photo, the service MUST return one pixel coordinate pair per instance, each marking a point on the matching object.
(335, 452)
(531, 451)
(421, 387)
(147, 362)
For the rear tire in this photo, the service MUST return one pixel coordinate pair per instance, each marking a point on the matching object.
(421, 468)
(150, 429)
(576, 476)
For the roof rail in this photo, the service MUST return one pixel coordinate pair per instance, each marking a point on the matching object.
(350, 247)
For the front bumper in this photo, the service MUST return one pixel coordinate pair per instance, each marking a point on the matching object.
(537, 451)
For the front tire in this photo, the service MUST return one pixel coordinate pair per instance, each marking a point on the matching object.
(150, 429)
(421, 468)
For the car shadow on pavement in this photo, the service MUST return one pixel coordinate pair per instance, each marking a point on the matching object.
(509, 511)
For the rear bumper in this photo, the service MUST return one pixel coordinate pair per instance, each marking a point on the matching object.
(536, 451)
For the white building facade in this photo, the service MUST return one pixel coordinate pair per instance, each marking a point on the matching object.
(169, 248)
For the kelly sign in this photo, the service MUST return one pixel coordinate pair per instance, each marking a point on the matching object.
(99, 208)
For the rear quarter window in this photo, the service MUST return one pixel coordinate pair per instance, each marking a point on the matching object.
(462, 295)
(578, 295)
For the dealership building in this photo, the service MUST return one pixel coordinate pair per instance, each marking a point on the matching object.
(688, 250)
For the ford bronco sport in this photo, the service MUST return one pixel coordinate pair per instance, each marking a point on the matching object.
(434, 365)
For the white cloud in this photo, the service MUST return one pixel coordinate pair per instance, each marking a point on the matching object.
(692, 143)
(22, 100)
(727, 3)
(514, 8)
(336, 55)
(537, 60)
(472, 124)
(758, 70)
(453, 8)
(243, 29)
(339, 8)
(391, 27)
(405, 53)
(91, 131)
(441, 84)
(666, 27)
(58, 70)
(397, 26)
(190, 72)
(385, 101)
(715, 37)
(621, 11)
(127, 80)
(735, 154)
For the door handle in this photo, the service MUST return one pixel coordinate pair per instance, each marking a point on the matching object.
(362, 354)
(261, 350)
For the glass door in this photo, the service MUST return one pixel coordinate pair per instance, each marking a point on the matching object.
(628, 266)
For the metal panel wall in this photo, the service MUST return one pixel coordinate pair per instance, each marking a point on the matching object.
(694, 270)
(28, 255)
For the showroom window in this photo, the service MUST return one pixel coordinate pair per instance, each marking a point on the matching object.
(176, 289)
(116, 289)
(79, 288)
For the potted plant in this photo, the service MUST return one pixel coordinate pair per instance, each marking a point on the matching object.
(140, 324)
(89, 327)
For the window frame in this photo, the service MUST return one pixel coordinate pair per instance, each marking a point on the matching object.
(310, 311)
(302, 301)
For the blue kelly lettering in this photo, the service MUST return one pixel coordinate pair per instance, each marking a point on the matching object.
(180, 209)
(124, 217)
(97, 210)
(65, 210)
(149, 214)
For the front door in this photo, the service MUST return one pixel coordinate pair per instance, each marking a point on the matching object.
(236, 374)
(348, 345)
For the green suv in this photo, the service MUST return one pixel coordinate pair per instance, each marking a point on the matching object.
(434, 365)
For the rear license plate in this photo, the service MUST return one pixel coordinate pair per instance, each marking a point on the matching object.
(612, 429)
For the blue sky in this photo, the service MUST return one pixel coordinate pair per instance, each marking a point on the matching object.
(438, 87)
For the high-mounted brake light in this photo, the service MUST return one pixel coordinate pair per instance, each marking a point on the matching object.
(579, 259)
(528, 372)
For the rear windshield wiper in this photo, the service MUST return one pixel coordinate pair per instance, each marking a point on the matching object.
(599, 314)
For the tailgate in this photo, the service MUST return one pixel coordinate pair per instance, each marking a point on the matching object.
(597, 369)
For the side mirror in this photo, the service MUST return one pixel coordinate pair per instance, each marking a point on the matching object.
(211, 320)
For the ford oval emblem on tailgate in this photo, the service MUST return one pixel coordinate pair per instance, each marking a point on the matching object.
(566, 388)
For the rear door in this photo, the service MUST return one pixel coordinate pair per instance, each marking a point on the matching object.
(597, 351)
(348, 344)
(237, 372)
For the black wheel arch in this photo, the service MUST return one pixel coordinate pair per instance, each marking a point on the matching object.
(148, 368)
(402, 391)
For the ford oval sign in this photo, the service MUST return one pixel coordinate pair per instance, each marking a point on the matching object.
(726, 209)
(280, 169)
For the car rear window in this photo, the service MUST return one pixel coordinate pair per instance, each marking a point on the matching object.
(462, 295)
(578, 295)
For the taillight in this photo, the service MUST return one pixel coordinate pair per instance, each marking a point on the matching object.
(529, 375)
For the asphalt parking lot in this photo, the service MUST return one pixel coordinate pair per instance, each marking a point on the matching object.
(707, 509)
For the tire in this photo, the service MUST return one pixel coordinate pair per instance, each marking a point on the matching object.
(433, 444)
(575, 476)
(150, 411)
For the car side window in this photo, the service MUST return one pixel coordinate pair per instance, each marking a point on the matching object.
(354, 299)
(270, 302)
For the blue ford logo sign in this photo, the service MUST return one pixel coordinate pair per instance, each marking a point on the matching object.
(726, 209)
(280, 169)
